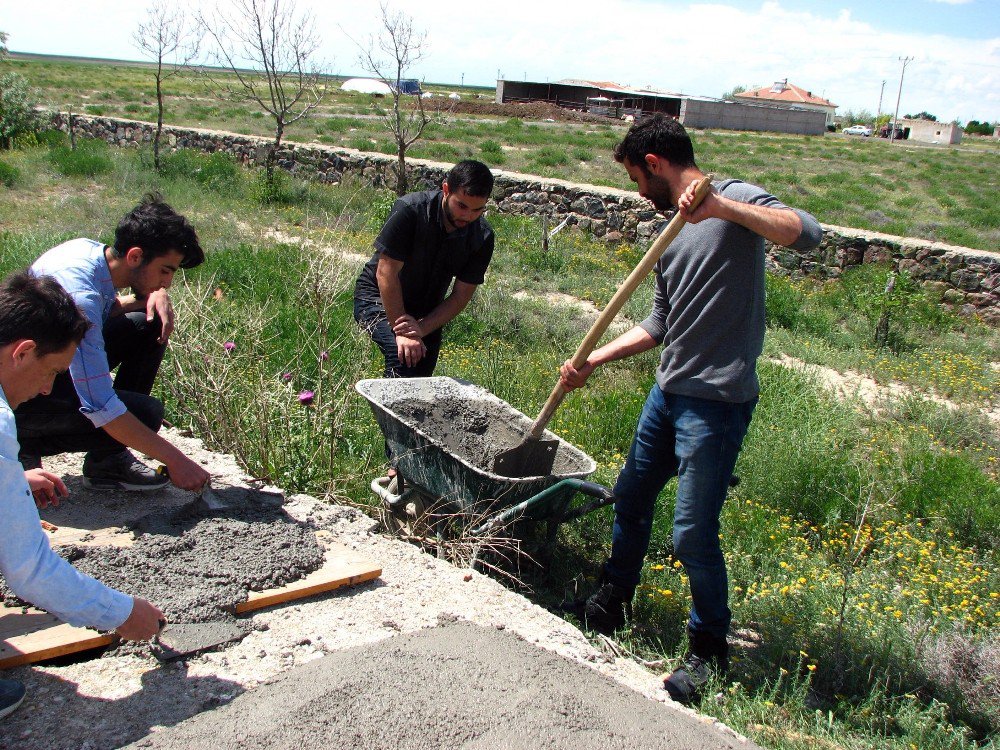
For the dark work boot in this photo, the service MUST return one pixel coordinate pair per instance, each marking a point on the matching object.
(607, 608)
(707, 657)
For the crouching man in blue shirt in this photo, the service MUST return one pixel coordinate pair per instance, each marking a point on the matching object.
(40, 329)
(89, 409)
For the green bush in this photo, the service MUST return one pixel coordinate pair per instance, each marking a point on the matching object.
(17, 109)
(550, 156)
(90, 158)
(9, 174)
(280, 189)
(52, 138)
(217, 170)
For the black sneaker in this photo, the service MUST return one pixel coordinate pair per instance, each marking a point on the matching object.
(121, 471)
(11, 695)
(707, 657)
(607, 608)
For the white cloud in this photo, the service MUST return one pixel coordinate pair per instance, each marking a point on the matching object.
(700, 48)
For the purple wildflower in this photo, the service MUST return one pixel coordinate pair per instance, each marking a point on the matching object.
(324, 356)
(286, 377)
(229, 346)
(306, 397)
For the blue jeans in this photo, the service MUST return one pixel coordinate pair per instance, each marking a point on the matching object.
(696, 440)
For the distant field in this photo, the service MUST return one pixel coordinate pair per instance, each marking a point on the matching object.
(950, 194)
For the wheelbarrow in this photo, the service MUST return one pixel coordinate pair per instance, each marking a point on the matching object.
(444, 433)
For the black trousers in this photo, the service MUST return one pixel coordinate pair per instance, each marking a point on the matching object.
(52, 424)
(370, 315)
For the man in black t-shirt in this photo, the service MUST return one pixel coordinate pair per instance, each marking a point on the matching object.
(401, 298)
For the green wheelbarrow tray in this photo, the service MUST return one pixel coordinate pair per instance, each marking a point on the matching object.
(444, 434)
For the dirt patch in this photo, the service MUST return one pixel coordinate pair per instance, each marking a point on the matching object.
(456, 686)
(522, 110)
(850, 384)
(590, 311)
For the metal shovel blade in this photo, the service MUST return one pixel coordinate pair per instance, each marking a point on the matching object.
(532, 458)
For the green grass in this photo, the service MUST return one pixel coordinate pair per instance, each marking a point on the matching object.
(862, 544)
(949, 194)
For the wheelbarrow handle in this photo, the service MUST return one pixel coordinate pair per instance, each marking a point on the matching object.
(603, 496)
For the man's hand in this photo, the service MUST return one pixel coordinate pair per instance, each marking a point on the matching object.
(158, 303)
(408, 326)
(186, 474)
(709, 207)
(572, 378)
(410, 350)
(143, 623)
(46, 487)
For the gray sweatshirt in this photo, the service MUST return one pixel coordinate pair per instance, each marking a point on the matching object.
(708, 310)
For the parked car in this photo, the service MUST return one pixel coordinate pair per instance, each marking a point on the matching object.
(857, 130)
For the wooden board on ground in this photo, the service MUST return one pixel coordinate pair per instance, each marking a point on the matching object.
(343, 567)
(68, 535)
(30, 636)
(33, 636)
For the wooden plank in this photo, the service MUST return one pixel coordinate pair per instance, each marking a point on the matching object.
(68, 535)
(343, 567)
(31, 636)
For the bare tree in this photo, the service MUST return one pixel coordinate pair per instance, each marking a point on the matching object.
(389, 55)
(172, 43)
(270, 50)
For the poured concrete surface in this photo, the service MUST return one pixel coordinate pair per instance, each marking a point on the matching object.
(455, 686)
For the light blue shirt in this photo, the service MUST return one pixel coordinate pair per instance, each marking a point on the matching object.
(32, 570)
(82, 270)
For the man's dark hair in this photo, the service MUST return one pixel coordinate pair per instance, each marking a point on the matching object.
(156, 228)
(472, 176)
(660, 135)
(37, 308)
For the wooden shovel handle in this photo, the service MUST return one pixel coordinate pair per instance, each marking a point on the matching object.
(613, 307)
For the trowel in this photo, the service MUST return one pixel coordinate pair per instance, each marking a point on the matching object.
(177, 640)
(535, 457)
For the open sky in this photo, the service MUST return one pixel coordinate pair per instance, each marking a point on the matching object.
(839, 49)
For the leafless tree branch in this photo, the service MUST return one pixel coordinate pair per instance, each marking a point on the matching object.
(271, 51)
(168, 39)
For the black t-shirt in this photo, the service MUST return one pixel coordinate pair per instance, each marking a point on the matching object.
(414, 233)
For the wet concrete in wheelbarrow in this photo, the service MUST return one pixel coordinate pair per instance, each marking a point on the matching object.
(456, 686)
(475, 431)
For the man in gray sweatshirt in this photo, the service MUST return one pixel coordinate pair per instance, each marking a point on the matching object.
(708, 314)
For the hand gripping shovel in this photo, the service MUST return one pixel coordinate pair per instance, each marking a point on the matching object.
(535, 457)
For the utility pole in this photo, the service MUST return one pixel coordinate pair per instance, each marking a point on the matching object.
(895, 117)
(463, 79)
(880, 93)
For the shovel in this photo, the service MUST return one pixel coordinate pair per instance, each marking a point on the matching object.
(535, 457)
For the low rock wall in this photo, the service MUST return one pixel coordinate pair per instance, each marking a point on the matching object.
(967, 280)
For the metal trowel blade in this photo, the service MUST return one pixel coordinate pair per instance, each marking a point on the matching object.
(176, 641)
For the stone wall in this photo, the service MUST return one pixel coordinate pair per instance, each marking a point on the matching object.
(967, 280)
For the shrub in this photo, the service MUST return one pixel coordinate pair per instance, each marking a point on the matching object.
(9, 174)
(550, 156)
(17, 109)
(280, 189)
(217, 170)
(90, 158)
(52, 138)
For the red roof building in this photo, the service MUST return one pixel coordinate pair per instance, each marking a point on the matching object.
(789, 95)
